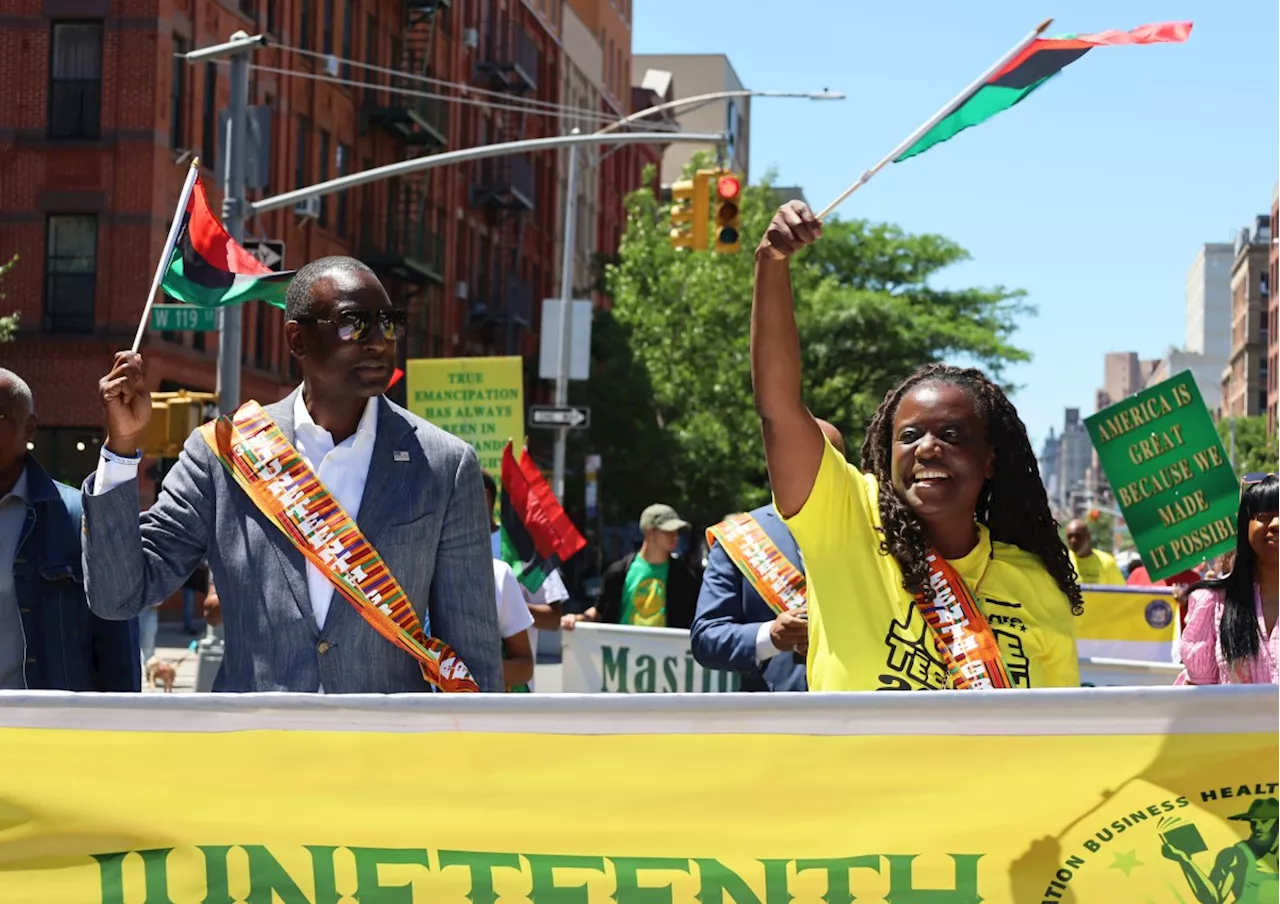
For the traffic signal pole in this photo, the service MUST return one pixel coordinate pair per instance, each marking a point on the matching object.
(566, 299)
(227, 386)
(237, 50)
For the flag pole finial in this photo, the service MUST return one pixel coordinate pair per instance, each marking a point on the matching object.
(1043, 25)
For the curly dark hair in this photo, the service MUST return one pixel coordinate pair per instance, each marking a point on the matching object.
(1013, 504)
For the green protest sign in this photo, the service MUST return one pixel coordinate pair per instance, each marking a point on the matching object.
(1170, 475)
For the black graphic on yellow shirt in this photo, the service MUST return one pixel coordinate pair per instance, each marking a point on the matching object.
(912, 662)
(649, 603)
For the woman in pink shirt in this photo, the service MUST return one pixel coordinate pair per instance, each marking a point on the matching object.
(1230, 637)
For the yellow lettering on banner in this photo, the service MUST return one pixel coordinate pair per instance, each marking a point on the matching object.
(1182, 509)
(1209, 459)
(1137, 415)
(1159, 443)
(1202, 538)
(1151, 485)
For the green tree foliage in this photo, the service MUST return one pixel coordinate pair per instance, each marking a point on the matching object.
(1255, 450)
(9, 324)
(673, 416)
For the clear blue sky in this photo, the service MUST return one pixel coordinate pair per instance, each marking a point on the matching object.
(1093, 195)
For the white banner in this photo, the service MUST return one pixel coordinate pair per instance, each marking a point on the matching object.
(618, 659)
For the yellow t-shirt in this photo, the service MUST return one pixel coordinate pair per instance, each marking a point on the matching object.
(1097, 568)
(866, 632)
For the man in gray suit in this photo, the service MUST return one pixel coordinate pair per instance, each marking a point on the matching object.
(414, 490)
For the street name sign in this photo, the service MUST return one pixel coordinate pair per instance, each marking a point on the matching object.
(178, 317)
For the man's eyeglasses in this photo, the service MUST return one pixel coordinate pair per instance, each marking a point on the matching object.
(354, 326)
(1254, 477)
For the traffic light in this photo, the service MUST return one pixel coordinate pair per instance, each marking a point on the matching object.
(728, 224)
(174, 415)
(690, 213)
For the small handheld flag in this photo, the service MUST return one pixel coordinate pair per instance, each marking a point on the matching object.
(1032, 62)
(203, 265)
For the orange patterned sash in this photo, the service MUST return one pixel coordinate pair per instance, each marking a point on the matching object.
(771, 574)
(965, 641)
(285, 489)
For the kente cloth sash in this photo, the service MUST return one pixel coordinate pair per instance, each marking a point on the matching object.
(285, 489)
(963, 638)
(779, 583)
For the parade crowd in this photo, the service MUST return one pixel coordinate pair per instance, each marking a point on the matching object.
(348, 546)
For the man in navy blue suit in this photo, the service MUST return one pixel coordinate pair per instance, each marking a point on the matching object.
(734, 628)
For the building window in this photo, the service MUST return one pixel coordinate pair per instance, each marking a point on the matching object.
(304, 22)
(347, 26)
(273, 11)
(324, 177)
(343, 165)
(178, 94)
(302, 163)
(326, 28)
(1264, 284)
(370, 57)
(70, 273)
(209, 125)
(75, 80)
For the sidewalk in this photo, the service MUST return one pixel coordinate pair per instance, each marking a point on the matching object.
(172, 645)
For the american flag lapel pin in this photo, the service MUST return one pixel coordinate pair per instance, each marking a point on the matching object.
(400, 455)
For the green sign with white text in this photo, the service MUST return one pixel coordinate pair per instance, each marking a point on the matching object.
(178, 317)
(1170, 475)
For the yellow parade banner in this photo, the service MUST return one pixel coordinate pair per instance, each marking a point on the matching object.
(480, 400)
(1109, 795)
(1133, 623)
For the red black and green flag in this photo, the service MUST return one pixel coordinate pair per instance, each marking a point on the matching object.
(210, 269)
(537, 535)
(1034, 65)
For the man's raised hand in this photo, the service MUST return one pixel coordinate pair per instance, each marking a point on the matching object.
(793, 227)
(127, 402)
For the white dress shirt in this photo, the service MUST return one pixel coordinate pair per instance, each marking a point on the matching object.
(343, 469)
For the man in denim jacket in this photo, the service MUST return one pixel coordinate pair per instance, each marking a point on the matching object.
(49, 640)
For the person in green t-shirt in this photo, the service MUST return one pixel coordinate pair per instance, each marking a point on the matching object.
(650, 588)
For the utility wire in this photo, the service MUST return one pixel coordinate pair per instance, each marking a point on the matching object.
(529, 104)
(409, 92)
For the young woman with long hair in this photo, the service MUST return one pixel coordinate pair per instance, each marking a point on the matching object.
(938, 564)
(1231, 637)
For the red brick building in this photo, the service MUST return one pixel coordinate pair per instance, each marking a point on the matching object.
(99, 121)
(1273, 315)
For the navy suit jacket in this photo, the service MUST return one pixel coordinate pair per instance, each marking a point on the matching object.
(730, 611)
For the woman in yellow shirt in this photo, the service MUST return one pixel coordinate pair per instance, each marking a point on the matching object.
(938, 565)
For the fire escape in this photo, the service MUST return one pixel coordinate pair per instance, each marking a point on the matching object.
(505, 189)
(407, 248)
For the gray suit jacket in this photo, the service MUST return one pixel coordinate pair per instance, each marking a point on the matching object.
(425, 516)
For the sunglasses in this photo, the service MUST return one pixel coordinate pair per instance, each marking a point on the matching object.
(1255, 477)
(354, 326)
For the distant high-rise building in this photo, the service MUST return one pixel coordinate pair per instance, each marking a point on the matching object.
(1074, 457)
(1209, 301)
(1272, 322)
(1246, 378)
(1049, 466)
(1122, 375)
(703, 73)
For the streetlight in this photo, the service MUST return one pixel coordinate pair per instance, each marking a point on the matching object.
(699, 100)
(570, 207)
